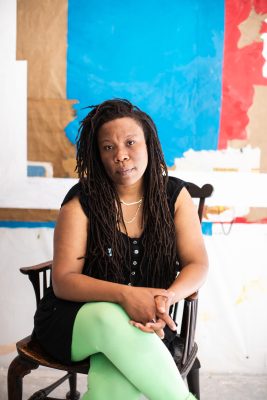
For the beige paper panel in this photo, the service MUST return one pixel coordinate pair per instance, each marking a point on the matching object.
(46, 138)
(42, 41)
(32, 215)
(257, 127)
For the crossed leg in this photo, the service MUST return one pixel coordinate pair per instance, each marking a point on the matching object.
(125, 361)
(105, 381)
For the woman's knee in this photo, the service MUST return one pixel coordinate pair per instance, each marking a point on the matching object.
(92, 327)
(105, 314)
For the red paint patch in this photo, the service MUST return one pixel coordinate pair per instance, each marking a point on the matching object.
(242, 68)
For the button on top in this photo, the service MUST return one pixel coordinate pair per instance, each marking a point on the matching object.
(135, 242)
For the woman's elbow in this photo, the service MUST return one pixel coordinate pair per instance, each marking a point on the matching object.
(59, 286)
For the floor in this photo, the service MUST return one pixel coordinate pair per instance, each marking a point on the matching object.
(213, 386)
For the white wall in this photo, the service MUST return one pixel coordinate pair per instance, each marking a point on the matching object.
(232, 324)
(232, 319)
(19, 248)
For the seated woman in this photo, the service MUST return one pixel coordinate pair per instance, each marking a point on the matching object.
(123, 233)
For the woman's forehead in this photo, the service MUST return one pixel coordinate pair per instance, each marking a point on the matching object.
(125, 126)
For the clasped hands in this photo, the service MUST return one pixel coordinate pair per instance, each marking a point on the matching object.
(162, 317)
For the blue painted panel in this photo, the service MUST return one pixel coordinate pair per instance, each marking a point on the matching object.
(166, 57)
(35, 170)
(26, 224)
(207, 228)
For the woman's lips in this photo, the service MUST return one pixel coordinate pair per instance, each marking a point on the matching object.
(125, 171)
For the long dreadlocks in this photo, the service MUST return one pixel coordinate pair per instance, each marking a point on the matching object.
(101, 199)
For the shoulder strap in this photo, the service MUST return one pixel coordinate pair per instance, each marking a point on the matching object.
(174, 188)
(76, 191)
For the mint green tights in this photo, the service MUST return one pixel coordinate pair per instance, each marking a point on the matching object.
(124, 361)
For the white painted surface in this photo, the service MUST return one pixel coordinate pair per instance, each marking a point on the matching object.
(13, 100)
(19, 248)
(245, 159)
(13, 108)
(44, 193)
(231, 188)
(8, 29)
(232, 323)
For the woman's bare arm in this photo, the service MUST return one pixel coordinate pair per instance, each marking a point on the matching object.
(69, 245)
(190, 247)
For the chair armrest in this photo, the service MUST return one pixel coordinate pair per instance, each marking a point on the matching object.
(39, 268)
(192, 297)
(40, 278)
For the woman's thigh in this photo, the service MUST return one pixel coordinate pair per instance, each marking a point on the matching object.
(93, 324)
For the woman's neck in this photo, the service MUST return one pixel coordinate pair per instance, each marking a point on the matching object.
(130, 193)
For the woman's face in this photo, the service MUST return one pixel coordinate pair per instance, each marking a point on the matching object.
(123, 151)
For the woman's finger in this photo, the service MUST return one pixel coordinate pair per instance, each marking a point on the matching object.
(161, 303)
(160, 333)
(141, 327)
(159, 324)
(169, 321)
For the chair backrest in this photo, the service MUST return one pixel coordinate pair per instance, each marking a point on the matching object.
(201, 193)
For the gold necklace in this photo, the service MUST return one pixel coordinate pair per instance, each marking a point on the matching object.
(131, 204)
(135, 215)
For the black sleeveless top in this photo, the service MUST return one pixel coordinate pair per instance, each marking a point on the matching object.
(54, 318)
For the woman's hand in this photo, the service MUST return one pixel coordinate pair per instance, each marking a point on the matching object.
(155, 326)
(140, 304)
(162, 303)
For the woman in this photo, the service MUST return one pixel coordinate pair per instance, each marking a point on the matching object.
(123, 232)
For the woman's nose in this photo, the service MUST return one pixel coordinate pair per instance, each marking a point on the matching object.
(121, 156)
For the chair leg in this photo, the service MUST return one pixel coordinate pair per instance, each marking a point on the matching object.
(18, 368)
(73, 394)
(193, 379)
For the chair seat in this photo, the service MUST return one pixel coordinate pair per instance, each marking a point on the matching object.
(30, 349)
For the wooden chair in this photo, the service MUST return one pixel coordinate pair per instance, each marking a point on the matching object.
(31, 355)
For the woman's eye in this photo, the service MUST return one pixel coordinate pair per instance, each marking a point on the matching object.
(131, 142)
(108, 147)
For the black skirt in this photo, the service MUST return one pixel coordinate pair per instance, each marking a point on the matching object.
(53, 325)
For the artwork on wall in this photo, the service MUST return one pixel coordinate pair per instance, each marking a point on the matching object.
(198, 68)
